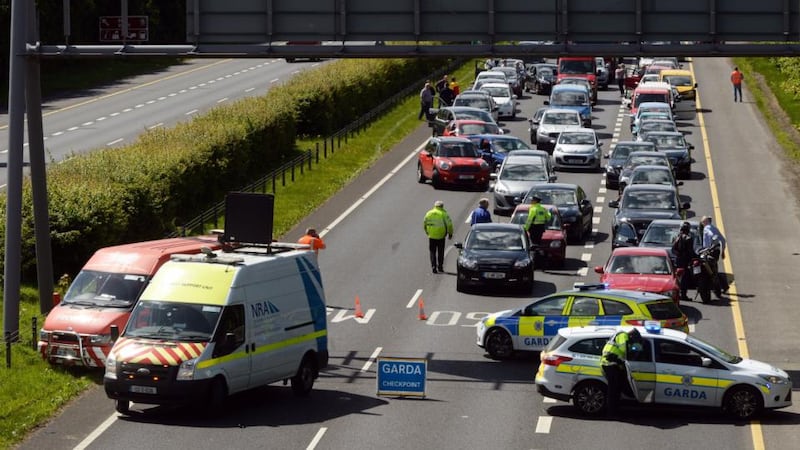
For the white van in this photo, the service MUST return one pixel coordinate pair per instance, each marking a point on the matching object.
(221, 322)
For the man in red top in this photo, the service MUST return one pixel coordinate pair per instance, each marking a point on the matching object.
(312, 239)
(736, 80)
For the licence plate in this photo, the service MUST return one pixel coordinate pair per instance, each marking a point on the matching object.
(494, 275)
(696, 270)
(143, 389)
(466, 177)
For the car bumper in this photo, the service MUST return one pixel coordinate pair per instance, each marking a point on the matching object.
(464, 179)
(777, 396)
(542, 389)
(485, 277)
(568, 160)
(168, 393)
(504, 203)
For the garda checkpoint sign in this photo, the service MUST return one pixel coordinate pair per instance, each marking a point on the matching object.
(404, 377)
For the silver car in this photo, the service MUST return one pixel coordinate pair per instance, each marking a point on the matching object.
(521, 169)
(578, 148)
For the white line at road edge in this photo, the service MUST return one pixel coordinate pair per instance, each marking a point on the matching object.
(96, 433)
(371, 359)
(313, 444)
(380, 183)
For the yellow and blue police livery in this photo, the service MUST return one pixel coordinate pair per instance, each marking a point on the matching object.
(531, 327)
(666, 367)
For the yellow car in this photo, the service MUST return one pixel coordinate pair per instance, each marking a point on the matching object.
(682, 80)
(532, 326)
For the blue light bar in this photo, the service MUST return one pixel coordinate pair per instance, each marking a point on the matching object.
(652, 326)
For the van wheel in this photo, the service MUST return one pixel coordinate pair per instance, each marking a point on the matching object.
(742, 402)
(217, 393)
(122, 406)
(304, 380)
(499, 344)
(590, 397)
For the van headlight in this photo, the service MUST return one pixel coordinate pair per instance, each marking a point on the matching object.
(100, 339)
(186, 370)
(111, 367)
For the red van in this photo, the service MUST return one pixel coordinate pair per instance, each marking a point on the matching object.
(578, 66)
(77, 331)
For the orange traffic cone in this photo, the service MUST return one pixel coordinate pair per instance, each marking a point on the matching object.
(421, 315)
(359, 312)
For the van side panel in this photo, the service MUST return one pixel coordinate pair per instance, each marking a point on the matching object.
(316, 304)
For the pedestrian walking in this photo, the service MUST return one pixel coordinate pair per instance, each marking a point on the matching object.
(440, 86)
(538, 216)
(425, 100)
(736, 80)
(437, 226)
(612, 361)
(446, 96)
(481, 213)
(711, 234)
(312, 239)
(619, 74)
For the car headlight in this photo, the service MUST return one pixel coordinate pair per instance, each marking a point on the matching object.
(444, 165)
(44, 335)
(774, 379)
(522, 263)
(557, 149)
(610, 169)
(100, 339)
(468, 263)
(111, 367)
(555, 244)
(186, 370)
(501, 189)
(484, 164)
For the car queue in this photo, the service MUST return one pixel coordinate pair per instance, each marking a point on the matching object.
(650, 272)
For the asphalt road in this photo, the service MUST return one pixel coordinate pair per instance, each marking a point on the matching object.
(378, 252)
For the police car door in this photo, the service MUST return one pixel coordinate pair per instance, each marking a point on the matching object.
(684, 375)
(540, 322)
(641, 371)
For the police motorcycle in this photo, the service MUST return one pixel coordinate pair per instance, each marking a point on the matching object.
(705, 271)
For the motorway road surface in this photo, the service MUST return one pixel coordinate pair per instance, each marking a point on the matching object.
(377, 251)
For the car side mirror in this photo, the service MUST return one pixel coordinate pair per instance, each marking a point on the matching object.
(679, 183)
(598, 269)
(705, 362)
(492, 176)
(613, 204)
(547, 102)
(607, 155)
(686, 206)
(553, 178)
(600, 144)
(114, 333)
(459, 245)
(691, 147)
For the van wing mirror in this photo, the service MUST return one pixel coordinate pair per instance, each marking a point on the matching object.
(114, 333)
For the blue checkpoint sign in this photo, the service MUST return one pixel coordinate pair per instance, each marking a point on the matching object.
(403, 377)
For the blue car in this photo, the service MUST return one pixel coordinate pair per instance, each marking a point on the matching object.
(499, 146)
(571, 96)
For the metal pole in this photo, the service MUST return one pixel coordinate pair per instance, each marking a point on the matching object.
(16, 134)
(41, 216)
(123, 7)
(67, 29)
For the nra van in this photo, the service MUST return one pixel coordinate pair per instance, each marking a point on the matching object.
(222, 322)
(77, 331)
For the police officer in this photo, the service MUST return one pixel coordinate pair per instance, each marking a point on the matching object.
(437, 225)
(683, 249)
(612, 361)
(538, 216)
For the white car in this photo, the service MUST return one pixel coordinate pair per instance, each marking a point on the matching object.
(669, 367)
(578, 148)
(502, 95)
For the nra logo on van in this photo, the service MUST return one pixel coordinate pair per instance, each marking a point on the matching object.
(263, 309)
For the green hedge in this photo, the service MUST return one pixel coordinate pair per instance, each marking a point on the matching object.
(140, 191)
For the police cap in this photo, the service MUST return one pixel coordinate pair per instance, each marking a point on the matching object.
(536, 198)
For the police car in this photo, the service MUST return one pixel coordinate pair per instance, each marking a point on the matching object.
(532, 326)
(669, 367)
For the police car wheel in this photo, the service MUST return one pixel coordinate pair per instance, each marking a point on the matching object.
(303, 382)
(590, 397)
(122, 406)
(499, 344)
(742, 402)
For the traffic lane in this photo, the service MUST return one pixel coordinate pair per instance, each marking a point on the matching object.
(759, 194)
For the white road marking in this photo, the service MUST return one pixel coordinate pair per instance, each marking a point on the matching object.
(224, 99)
(172, 94)
(152, 127)
(586, 257)
(100, 119)
(150, 102)
(182, 91)
(600, 199)
(691, 328)
(549, 400)
(598, 209)
(114, 142)
(86, 124)
(72, 128)
(58, 133)
(127, 110)
(582, 272)
(313, 444)
(191, 112)
(96, 433)
(140, 105)
(543, 425)
(201, 85)
(192, 88)
(162, 98)
(249, 89)
(595, 220)
(602, 190)
(371, 359)
(114, 114)
(274, 80)
(588, 245)
(414, 299)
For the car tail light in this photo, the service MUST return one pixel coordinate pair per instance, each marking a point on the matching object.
(635, 322)
(555, 360)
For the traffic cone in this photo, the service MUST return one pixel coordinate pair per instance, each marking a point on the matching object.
(359, 312)
(421, 315)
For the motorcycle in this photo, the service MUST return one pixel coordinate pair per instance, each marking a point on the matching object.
(706, 272)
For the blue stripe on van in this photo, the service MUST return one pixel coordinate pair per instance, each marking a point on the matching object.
(315, 302)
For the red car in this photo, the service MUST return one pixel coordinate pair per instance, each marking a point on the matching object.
(554, 239)
(467, 127)
(641, 269)
(454, 161)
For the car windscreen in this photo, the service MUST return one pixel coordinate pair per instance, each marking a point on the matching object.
(667, 141)
(496, 91)
(651, 176)
(638, 160)
(648, 200)
(569, 99)
(576, 66)
(106, 289)
(477, 114)
(560, 119)
(523, 172)
(558, 197)
(664, 310)
(495, 240)
(576, 138)
(461, 149)
(714, 350)
(173, 321)
(657, 125)
(507, 145)
(639, 264)
(678, 80)
(651, 97)
(662, 235)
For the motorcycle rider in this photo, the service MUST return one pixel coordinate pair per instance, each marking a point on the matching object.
(683, 249)
(712, 236)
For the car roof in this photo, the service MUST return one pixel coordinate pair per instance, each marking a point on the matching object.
(550, 110)
(580, 130)
(498, 137)
(676, 72)
(606, 330)
(527, 152)
(522, 207)
(677, 222)
(631, 295)
(650, 187)
(664, 133)
(495, 84)
(562, 186)
(497, 226)
(473, 93)
(643, 251)
(648, 153)
(459, 139)
(569, 87)
(634, 143)
(645, 105)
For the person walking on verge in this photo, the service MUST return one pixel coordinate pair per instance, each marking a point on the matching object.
(736, 80)
(440, 85)
(619, 74)
(312, 239)
(425, 100)
(446, 96)
(711, 234)
(437, 225)
(538, 216)
(481, 213)
(612, 361)
(683, 249)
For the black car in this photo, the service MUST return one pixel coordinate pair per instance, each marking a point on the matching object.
(533, 123)
(443, 116)
(575, 207)
(640, 158)
(495, 255)
(639, 205)
(677, 149)
(618, 156)
(541, 78)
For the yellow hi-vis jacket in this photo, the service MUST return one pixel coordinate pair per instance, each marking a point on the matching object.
(437, 223)
(538, 215)
(618, 346)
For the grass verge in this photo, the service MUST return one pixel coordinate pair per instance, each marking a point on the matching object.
(32, 391)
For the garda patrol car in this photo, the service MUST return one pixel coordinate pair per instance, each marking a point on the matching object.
(532, 326)
(670, 367)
